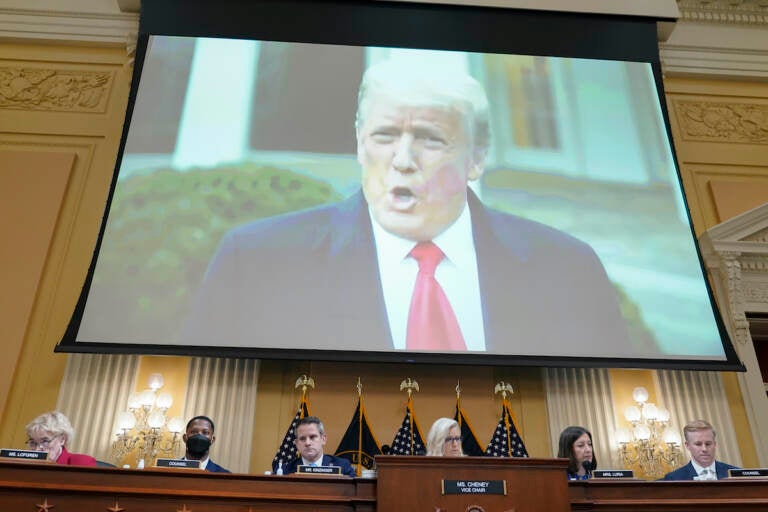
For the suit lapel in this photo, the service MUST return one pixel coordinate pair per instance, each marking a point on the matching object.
(502, 269)
(691, 471)
(356, 300)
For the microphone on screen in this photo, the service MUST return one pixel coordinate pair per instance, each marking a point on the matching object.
(588, 466)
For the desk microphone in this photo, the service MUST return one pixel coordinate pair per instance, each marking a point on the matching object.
(588, 466)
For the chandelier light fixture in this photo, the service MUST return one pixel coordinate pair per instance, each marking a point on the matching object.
(143, 429)
(650, 444)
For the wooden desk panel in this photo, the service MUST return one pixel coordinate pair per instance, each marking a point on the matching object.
(688, 496)
(33, 487)
(81, 489)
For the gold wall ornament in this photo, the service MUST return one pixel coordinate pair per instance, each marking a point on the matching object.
(305, 382)
(409, 385)
(54, 89)
(726, 122)
(504, 388)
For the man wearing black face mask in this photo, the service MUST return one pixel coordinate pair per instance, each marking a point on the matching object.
(199, 438)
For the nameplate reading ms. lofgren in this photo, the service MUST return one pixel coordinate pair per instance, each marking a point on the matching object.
(177, 463)
(23, 454)
(320, 470)
(475, 487)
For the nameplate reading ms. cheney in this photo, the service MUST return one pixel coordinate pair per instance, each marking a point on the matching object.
(475, 487)
(177, 463)
(23, 454)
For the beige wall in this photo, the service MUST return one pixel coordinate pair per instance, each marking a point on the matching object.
(63, 148)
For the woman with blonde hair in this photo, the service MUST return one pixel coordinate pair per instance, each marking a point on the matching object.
(49, 433)
(444, 438)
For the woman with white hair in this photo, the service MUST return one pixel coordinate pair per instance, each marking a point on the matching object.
(49, 433)
(444, 438)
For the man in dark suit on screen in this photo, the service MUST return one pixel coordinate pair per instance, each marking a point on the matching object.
(700, 442)
(414, 261)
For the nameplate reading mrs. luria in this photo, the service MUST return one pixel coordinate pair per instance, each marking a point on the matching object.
(177, 463)
(320, 470)
(23, 454)
(475, 487)
(748, 473)
(613, 473)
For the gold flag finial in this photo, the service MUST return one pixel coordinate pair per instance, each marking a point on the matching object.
(304, 382)
(409, 385)
(458, 390)
(359, 387)
(504, 388)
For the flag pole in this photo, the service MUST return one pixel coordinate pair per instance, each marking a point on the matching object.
(304, 382)
(504, 388)
(359, 427)
(410, 386)
(458, 402)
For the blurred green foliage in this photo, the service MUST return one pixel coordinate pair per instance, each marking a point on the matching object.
(165, 226)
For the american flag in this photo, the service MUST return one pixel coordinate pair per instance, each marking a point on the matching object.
(506, 441)
(287, 451)
(408, 440)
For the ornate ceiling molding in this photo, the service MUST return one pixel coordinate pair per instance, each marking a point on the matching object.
(720, 38)
(53, 89)
(67, 26)
(723, 121)
(743, 12)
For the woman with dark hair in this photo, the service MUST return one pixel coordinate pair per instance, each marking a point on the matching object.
(576, 446)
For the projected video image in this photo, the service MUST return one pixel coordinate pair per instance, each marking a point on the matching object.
(280, 195)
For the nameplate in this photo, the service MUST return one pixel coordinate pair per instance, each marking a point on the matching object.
(475, 487)
(177, 463)
(613, 473)
(23, 454)
(748, 473)
(320, 470)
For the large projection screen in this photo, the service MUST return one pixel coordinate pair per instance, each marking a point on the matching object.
(258, 209)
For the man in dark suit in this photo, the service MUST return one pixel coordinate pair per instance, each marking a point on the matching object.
(310, 440)
(198, 438)
(414, 261)
(700, 442)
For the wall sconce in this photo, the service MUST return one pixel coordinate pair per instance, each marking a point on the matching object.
(649, 444)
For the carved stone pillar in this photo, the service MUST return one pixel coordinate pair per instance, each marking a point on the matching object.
(736, 254)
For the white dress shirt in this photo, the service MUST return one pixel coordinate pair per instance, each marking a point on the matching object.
(699, 469)
(456, 273)
(317, 462)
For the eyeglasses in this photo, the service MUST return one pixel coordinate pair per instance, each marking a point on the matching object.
(43, 443)
(453, 439)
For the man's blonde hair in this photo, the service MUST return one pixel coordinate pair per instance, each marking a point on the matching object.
(698, 426)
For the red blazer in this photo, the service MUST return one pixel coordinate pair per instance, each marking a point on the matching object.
(75, 459)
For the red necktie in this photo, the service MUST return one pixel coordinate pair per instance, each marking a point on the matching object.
(431, 322)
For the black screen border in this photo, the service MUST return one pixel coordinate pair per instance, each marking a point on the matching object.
(407, 25)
